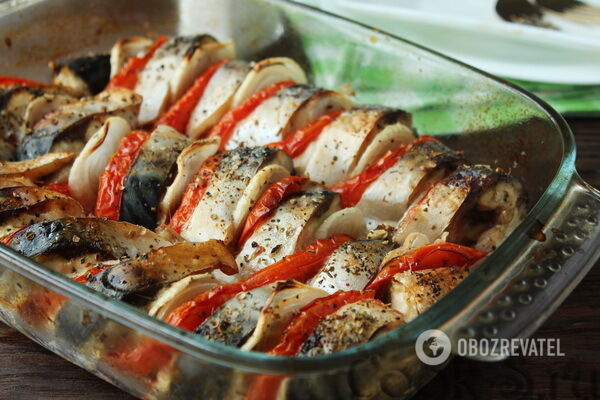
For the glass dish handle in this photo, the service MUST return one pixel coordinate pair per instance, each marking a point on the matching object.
(565, 248)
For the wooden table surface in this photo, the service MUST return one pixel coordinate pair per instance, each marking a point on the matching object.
(28, 371)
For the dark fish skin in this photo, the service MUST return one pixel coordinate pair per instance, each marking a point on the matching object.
(149, 177)
(39, 143)
(74, 236)
(472, 177)
(14, 101)
(70, 124)
(7, 93)
(439, 153)
(94, 70)
(140, 293)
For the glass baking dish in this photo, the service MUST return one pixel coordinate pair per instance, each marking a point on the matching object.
(513, 291)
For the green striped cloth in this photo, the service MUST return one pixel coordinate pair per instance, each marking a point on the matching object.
(572, 100)
(578, 100)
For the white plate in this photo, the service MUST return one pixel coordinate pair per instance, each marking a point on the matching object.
(471, 31)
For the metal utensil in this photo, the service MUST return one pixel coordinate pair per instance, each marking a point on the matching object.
(573, 10)
(522, 12)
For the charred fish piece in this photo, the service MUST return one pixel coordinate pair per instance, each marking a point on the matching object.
(83, 76)
(73, 238)
(452, 210)
(138, 280)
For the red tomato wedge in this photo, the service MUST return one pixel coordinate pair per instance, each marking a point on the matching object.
(110, 187)
(40, 306)
(268, 202)
(179, 114)
(194, 192)
(145, 360)
(300, 266)
(127, 76)
(9, 81)
(264, 387)
(351, 190)
(437, 255)
(297, 142)
(62, 188)
(311, 315)
(6, 239)
(224, 129)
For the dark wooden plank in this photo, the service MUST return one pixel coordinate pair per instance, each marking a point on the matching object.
(28, 371)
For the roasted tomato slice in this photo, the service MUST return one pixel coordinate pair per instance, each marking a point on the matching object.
(264, 387)
(268, 202)
(179, 114)
(224, 129)
(127, 76)
(351, 190)
(194, 192)
(299, 266)
(437, 255)
(110, 187)
(297, 142)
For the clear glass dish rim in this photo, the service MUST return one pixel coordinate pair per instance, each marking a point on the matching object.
(405, 335)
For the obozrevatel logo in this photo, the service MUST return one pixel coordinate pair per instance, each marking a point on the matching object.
(433, 347)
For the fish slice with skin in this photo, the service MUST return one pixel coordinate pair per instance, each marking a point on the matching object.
(289, 229)
(173, 68)
(351, 325)
(351, 142)
(351, 266)
(452, 209)
(71, 126)
(289, 109)
(238, 182)
(388, 197)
